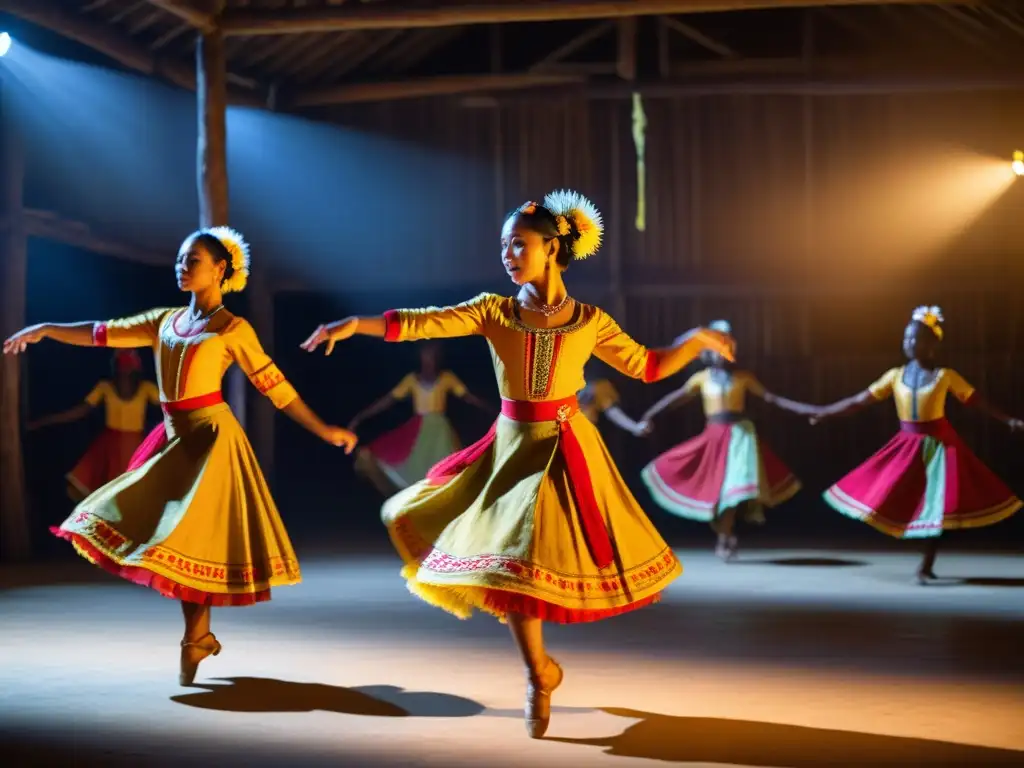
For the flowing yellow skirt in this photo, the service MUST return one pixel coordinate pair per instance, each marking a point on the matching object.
(195, 521)
(503, 536)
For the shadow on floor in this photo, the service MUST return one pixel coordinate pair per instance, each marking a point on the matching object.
(259, 694)
(727, 742)
(809, 562)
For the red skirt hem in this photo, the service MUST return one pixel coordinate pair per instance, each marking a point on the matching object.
(503, 602)
(163, 585)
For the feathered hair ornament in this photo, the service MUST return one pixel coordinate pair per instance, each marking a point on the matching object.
(576, 214)
(235, 244)
(931, 317)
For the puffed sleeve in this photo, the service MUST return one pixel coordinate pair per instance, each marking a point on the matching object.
(453, 384)
(958, 385)
(247, 351)
(141, 330)
(605, 395)
(98, 393)
(405, 387)
(151, 393)
(618, 349)
(882, 388)
(751, 384)
(466, 319)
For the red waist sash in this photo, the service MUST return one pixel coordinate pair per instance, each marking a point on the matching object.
(939, 428)
(192, 403)
(591, 520)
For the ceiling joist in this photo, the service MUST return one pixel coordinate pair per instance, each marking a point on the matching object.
(104, 39)
(350, 17)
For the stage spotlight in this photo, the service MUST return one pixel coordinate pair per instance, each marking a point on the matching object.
(1018, 163)
(5, 43)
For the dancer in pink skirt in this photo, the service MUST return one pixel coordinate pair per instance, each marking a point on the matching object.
(925, 480)
(727, 467)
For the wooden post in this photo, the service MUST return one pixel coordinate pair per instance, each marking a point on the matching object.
(212, 157)
(212, 162)
(15, 544)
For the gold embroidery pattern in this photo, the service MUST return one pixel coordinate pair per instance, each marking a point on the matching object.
(112, 544)
(541, 373)
(541, 347)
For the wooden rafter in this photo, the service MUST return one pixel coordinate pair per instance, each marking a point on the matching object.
(584, 38)
(350, 16)
(429, 86)
(694, 35)
(202, 16)
(110, 42)
(52, 226)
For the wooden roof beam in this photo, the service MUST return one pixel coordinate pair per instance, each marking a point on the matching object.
(449, 85)
(350, 17)
(201, 15)
(51, 15)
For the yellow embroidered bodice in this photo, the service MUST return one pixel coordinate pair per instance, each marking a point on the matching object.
(124, 415)
(596, 398)
(430, 398)
(723, 396)
(926, 403)
(193, 364)
(529, 363)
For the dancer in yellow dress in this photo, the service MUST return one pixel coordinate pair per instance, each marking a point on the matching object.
(192, 517)
(125, 399)
(727, 469)
(402, 456)
(532, 523)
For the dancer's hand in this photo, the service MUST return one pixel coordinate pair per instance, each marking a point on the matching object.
(643, 428)
(715, 341)
(331, 333)
(340, 437)
(19, 342)
(1015, 425)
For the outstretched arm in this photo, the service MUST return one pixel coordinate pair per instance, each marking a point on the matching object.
(463, 319)
(77, 334)
(681, 396)
(879, 390)
(79, 411)
(983, 405)
(791, 406)
(845, 407)
(618, 349)
(378, 406)
(968, 395)
(619, 418)
(480, 403)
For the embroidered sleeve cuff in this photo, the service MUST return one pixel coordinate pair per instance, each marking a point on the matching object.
(99, 334)
(392, 325)
(270, 382)
(652, 370)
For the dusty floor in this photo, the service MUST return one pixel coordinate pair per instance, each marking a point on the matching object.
(787, 659)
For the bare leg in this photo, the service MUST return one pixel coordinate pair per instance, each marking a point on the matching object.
(543, 674)
(931, 549)
(198, 642)
(723, 525)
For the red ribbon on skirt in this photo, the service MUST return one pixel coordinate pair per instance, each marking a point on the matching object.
(561, 411)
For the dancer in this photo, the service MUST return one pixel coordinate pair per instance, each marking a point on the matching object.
(599, 397)
(403, 455)
(192, 517)
(532, 523)
(124, 400)
(726, 468)
(925, 480)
